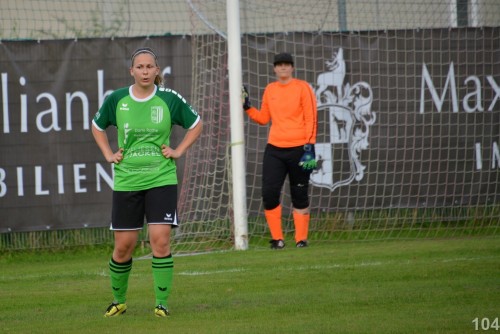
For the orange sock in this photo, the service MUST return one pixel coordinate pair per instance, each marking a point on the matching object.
(301, 222)
(273, 218)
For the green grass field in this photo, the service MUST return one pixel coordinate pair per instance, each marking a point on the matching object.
(421, 286)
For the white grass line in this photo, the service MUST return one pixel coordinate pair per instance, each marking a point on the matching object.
(213, 272)
(150, 256)
(69, 275)
(336, 266)
(104, 273)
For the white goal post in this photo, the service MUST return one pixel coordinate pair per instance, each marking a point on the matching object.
(237, 129)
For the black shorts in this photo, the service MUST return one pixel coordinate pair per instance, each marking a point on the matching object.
(156, 206)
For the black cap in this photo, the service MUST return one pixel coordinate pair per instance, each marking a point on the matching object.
(283, 58)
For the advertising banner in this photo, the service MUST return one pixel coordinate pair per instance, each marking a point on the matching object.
(52, 174)
(406, 119)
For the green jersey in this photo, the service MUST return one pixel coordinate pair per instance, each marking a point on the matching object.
(144, 125)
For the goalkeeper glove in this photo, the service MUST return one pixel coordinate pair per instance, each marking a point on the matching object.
(308, 160)
(245, 100)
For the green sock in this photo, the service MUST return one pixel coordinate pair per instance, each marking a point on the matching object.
(163, 273)
(119, 273)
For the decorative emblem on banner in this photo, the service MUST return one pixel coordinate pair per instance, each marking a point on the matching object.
(156, 114)
(347, 110)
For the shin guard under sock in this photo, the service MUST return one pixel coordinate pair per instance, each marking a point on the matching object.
(301, 222)
(163, 273)
(119, 273)
(273, 218)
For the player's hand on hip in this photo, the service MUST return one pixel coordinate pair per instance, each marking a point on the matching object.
(117, 157)
(169, 152)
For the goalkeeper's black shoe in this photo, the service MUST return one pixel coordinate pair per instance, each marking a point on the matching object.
(161, 311)
(277, 244)
(115, 309)
(302, 243)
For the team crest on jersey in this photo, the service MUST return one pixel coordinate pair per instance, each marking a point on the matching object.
(156, 114)
(346, 112)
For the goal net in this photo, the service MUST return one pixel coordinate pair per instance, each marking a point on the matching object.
(408, 118)
(408, 108)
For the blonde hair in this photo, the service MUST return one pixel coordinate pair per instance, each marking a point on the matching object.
(158, 78)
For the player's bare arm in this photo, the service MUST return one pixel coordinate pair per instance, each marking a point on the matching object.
(102, 141)
(188, 140)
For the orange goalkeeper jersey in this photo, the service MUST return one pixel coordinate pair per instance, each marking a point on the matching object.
(291, 108)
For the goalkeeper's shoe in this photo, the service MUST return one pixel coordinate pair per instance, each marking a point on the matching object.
(277, 244)
(302, 243)
(161, 311)
(115, 309)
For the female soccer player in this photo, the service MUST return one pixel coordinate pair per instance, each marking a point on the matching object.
(290, 105)
(145, 177)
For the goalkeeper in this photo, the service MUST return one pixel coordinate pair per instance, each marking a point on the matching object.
(290, 105)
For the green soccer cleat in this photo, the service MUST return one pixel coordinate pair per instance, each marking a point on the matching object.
(115, 309)
(161, 311)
